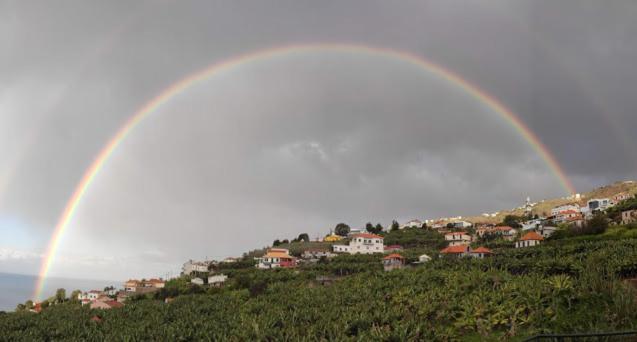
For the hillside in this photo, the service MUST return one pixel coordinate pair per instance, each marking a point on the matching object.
(544, 207)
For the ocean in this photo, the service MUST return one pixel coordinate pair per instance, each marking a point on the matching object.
(18, 288)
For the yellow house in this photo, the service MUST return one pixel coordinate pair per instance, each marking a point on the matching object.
(332, 238)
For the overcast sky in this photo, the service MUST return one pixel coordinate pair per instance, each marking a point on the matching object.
(298, 143)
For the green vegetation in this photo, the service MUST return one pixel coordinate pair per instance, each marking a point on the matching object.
(561, 286)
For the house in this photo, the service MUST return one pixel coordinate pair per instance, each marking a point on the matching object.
(90, 296)
(629, 216)
(533, 224)
(362, 244)
(217, 280)
(598, 204)
(393, 248)
(423, 259)
(37, 308)
(317, 253)
(131, 285)
(156, 283)
(393, 261)
(457, 238)
(191, 267)
(412, 224)
(275, 258)
(622, 196)
(481, 252)
(332, 238)
(462, 225)
(110, 304)
(505, 232)
(529, 239)
(197, 281)
(457, 250)
(546, 231)
(566, 207)
(567, 216)
(230, 260)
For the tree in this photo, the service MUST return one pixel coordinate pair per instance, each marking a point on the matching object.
(597, 225)
(44, 304)
(394, 226)
(424, 225)
(285, 241)
(60, 296)
(20, 307)
(75, 295)
(512, 221)
(379, 228)
(303, 237)
(276, 243)
(341, 229)
(369, 227)
(28, 304)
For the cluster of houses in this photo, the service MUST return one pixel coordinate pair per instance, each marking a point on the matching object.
(202, 272)
(112, 298)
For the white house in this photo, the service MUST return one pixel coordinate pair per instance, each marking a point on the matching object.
(275, 258)
(197, 281)
(462, 224)
(599, 204)
(317, 253)
(566, 207)
(217, 279)
(362, 244)
(423, 258)
(529, 239)
(457, 238)
(190, 267)
(412, 224)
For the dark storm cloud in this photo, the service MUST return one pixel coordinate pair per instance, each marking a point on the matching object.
(300, 144)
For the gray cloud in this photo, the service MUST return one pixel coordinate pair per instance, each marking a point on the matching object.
(300, 143)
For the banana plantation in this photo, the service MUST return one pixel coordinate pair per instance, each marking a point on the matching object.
(564, 287)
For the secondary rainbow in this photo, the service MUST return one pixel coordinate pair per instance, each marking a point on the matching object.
(214, 69)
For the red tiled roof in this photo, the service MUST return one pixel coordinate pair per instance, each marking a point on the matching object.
(114, 304)
(367, 236)
(568, 212)
(532, 236)
(482, 250)
(455, 249)
(393, 256)
(503, 228)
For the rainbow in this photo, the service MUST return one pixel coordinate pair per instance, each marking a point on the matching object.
(235, 62)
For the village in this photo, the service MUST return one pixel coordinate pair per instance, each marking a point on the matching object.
(462, 238)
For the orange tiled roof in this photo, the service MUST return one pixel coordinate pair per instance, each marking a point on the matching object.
(532, 236)
(393, 256)
(455, 249)
(482, 250)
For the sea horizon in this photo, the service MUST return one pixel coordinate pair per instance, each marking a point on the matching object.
(16, 288)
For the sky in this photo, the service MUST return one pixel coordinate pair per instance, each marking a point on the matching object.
(297, 143)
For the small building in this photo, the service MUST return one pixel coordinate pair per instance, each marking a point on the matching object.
(546, 231)
(505, 232)
(457, 250)
(362, 244)
(156, 283)
(191, 267)
(462, 224)
(110, 304)
(529, 239)
(481, 252)
(457, 238)
(276, 258)
(317, 253)
(412, 224)
(197, 281)
(217, 280)
(598, 204)
(332, 238)
(393, 261)
(567, 216)
(566, 207)
(629, 216)
(622, 196)
(131, 285)
(423, 259)
(230, 260)
(393, 249)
